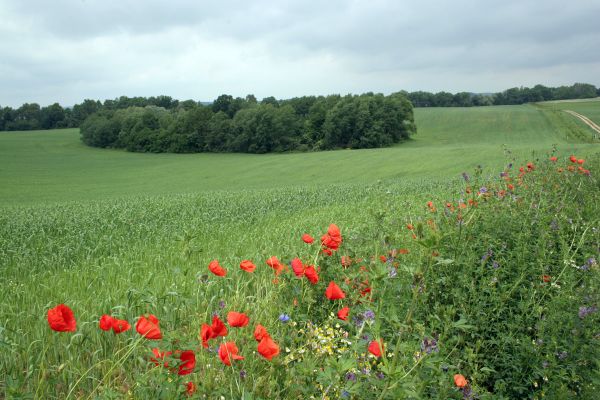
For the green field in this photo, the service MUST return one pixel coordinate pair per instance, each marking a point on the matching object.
(53, 166)
(107, 231)
(589, 108)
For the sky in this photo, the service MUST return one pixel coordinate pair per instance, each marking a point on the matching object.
(67, 51)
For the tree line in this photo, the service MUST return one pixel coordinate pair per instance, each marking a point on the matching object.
(245, 125)
(511, 96)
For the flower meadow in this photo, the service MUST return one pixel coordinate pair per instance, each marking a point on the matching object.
(489, 289)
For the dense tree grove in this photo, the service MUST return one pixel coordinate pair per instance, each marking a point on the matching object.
(245, 125)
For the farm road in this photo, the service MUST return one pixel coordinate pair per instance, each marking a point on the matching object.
(585, 120)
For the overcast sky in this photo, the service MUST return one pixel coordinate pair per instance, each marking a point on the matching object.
(67, 51)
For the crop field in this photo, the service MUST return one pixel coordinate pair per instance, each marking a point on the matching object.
(445, 285)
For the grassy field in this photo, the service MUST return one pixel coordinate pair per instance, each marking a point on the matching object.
(128, 234)
(54, 166)
(589, 108)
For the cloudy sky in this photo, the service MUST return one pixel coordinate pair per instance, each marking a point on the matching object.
(69, 50)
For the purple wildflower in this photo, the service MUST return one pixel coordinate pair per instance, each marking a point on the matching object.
(351, 376)
(284, 318)
(466, 177)
(369, 315)
(585, 311)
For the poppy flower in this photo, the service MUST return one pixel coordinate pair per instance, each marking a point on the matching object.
(228, 351)
(297, 267)
(62, 319)
(274, 263)
(546, 278)
(216, 269)
(306, 238)
(343, 313)
(268, 348)
(333, 238)
(120, 325)
(333, 292)
(237, 320)
(573, 159)
(106, 322)
(580, 161)
(327, 252)
(205, 335)
(460, 381)
(148, 327)
(160, 357)
(530, 166)
(383, 258)
(218, 328)
(410, 227)
(190, 388)
(188, 362)
(553, 159)
(247, 266)
(403, 251)
(260, 332)
(311, 274)
(375, 348)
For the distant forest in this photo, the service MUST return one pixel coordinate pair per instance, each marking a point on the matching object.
(30, 116)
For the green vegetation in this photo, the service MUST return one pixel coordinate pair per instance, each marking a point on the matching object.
(41, 167)
(508, 297)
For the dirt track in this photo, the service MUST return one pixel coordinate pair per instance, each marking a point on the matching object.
(585, 120)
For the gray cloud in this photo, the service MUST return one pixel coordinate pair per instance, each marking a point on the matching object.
(70, 50)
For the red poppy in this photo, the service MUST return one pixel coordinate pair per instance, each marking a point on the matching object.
(410, 227)
(205, 335)
(106, 322)
(546, 278)
(375, 348)
(327, 252)
(148, 327)
(237, 320)
(268, 348)
(530, 166)
(228, 351)
(553, 159)
(188, 362)
(260, 332)
(382, 258)
(120, 325)
(160, 357)
(190, 388)
(247, 266)
(311, 274)
(306, 238)
(580, 161)
(333, 238)
(333, 292)
(274, 263)
(403, 251)
(573, 159)
(460, 381)
(218, 328)
(343, 313)
(216, 269)
(62, 319)
(297, 267)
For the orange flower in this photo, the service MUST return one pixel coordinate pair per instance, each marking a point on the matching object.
(333, 292)
(460, 381)
(62, 319)
(311, 274)
(510, 187)
(228, 351)
(297, 267)
(403, 251)
(160, 357)
(268, 348)
(148, 327)
(247, 266)
(237, 320)
(216, 269)
(375, 348)
(410, 227)
(343, 313)
(190, 388)
(260, 332)
(580, 161)
(274, 263)
(306, 238)
(382, 258)
(553, 159)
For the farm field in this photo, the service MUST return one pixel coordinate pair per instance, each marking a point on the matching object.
(54, 166)
(127, 234)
